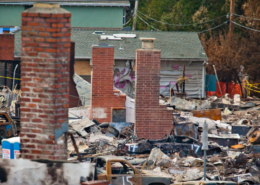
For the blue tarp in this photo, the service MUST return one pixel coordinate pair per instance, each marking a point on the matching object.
(11, 29)
(211, 83)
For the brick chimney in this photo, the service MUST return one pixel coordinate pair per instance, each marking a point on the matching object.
(6, 46)
(45, 82)
(152, 120)
(104, 98)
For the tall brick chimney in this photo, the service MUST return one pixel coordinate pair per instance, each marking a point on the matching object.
(104, 98)
(152, 121)
(6, 46)
(45, 82)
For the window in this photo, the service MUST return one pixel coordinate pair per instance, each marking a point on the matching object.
(121, 168)
(124, 17)
(3, 118)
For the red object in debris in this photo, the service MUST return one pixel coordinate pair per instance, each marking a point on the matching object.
(232, 89)
(95, 183)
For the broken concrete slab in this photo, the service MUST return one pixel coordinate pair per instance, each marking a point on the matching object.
(79, 125)
(84, 89)
(94, 138)
(22, 171)
(224, 139)
(182, 104)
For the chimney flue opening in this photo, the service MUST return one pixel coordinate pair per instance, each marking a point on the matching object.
(147, 43)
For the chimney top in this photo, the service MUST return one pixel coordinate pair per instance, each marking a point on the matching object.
(147, 43)
(6, 30)
(46, 5)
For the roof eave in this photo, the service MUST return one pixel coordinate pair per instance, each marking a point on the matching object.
(76, 4)
(172, 59)
(133, 58)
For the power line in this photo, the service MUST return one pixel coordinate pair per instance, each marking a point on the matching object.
(214, 27)
(245, 27)
(181, 24)
(198, 32)
(246, 17)
(148, 23)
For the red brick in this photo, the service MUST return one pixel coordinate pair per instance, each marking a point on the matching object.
(32, 105)
(38, 60)
(31, 84)
(25, 89)
(37, 90)
(57, 15)
(33, 24)
(39, 29)
(32, 14)
(45, 24)
(32, 64)
(49, 142)
(41, 126)
(55, 25)
(52, 29)
(57, 35)
(37, 120)
(45, 15)
(38, 39)
(36, 151)
(38, 49)
(37, 131)
(44, 34)
(37, 79)
(33, 44)
(45, 45)
(67, 34)
(29, 146)
(49, 50)
(26, 28)
(67, 15)
(31, 135)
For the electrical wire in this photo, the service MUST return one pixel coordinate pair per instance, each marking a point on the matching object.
(180, 24)
(246, 17)
(198, 32)
(213, 27)
(147, 23)
(245, 26)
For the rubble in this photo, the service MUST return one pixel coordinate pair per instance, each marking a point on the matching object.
(233, 141)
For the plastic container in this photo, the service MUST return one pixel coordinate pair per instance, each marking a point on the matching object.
(11, 148)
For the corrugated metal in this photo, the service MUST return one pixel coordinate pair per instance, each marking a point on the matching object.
(6, 70)
(2, 73)
(9, 73)
(172, 70)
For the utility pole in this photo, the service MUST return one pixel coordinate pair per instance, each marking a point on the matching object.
(205, 146)
(135, 15)
(231, 17)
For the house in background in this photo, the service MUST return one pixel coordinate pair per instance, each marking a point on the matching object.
(85, 13)
(178, 49)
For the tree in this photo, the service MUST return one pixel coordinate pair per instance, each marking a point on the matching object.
(226, 55)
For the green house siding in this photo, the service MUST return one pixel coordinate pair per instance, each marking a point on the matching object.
(10, 15)
(111, 17)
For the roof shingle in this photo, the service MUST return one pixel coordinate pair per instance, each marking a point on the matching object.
(174, 45)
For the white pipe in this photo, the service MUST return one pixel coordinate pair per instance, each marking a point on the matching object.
(217, 80)
(14, 75)
(203, 81)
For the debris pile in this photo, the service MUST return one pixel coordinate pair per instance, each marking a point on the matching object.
(233, 141)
